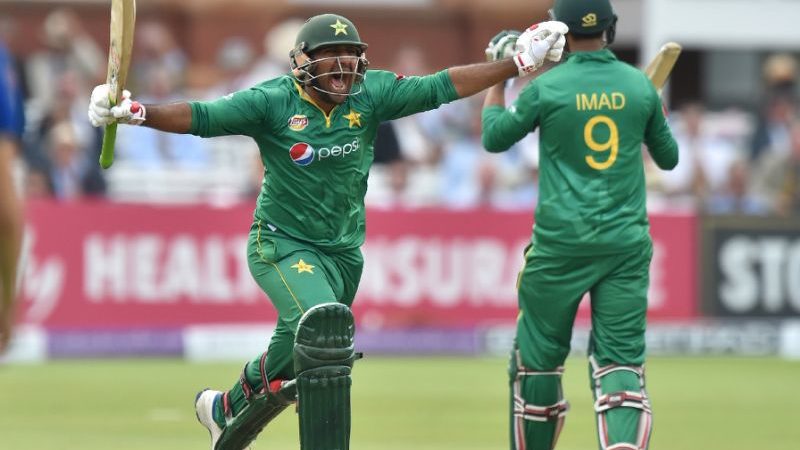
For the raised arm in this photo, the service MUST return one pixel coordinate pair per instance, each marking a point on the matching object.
(238, 113)
(172, 117)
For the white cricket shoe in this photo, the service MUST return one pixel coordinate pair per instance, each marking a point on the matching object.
(204, 408)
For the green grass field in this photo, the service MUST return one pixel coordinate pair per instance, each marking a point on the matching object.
(398, 403)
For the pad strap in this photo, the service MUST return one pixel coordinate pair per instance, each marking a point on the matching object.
(626, 399)
(538, 413)
(247, 388)
(542, 413)
(621, 399)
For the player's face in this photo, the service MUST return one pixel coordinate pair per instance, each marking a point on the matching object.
(336, 67)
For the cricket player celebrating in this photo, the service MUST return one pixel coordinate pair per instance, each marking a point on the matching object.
(591, 234)
(315, 128)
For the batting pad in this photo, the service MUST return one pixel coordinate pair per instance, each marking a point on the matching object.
(323, 360)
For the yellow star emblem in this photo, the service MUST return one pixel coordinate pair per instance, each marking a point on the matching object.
(339, 27)
(301, 267)
(354, 118)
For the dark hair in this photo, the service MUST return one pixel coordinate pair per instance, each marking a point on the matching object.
(586, 37)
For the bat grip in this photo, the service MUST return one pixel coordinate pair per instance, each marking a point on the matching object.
(107, 152)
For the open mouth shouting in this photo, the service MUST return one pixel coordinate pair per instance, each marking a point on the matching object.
(339, 83)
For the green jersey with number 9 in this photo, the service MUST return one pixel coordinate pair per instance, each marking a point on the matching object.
(593, 113)
(316, 163)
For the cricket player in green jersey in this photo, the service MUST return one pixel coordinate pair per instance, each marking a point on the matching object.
(315, 128)
(591, 234)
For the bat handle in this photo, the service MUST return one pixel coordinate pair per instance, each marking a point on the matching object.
(107, 153)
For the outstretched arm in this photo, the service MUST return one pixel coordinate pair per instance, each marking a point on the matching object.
(471, 79)
(236, 114)
(173, 117)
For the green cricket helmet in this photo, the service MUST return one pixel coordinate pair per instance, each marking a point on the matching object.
(586, 17)
(321, 31)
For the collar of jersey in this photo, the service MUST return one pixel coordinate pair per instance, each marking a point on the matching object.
(598, 55)
(304, 95)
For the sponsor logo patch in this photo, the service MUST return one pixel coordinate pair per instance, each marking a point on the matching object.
(302, 154)
(298, 122)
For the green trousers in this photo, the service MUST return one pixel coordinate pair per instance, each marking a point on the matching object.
(550, 290)
(295, 276)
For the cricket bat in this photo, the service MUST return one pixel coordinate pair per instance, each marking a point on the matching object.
(123, 20)
(661, 66)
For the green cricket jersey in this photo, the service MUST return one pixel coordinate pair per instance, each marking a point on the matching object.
(593, 113)
(316, 164)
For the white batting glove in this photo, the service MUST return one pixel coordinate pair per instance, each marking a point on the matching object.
(100, 107)
(127, 111)
(540, 42)
(544, 29)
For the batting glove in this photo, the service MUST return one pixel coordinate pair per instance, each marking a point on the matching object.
(540, 42)
(127, 111)
(555, 52)
(502, 46)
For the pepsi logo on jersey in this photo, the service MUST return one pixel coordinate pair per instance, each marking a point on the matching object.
(303, 154)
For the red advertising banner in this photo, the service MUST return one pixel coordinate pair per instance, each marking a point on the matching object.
(110, 266)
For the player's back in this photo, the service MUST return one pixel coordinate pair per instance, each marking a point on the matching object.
(595, 113)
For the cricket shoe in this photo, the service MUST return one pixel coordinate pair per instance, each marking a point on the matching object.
(204, 409)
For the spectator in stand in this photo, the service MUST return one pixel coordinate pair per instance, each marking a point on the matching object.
(388, 180)
(778, 176)
(736, 197)
(473, 178)
(71, 172)
(705, 160)
(235, 61)
(65, 108)
(68, 48)
(156, 47)
(773, 121)
(145, 148)
(468, 174)
(420, 138)
(278, 42)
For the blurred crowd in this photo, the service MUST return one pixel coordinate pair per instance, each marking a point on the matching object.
(733, 161)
